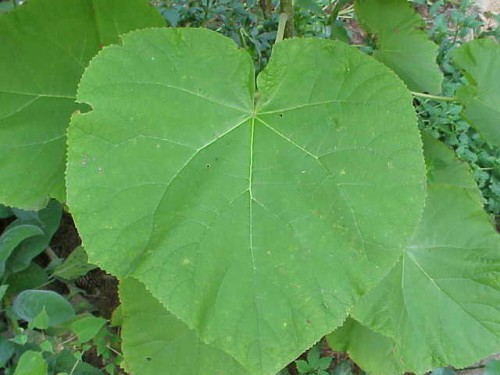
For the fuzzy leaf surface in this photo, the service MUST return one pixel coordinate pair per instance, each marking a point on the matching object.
(480, 62)
(441, 303)
(402, 43)
(44, 47)
(258, 225)
(154, 340)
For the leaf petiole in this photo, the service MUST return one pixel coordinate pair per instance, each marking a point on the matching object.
(434, 97)
(281, 27)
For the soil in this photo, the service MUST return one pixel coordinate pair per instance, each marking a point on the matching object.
(100, 288)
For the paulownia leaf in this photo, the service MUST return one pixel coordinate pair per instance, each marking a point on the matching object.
(44, 48)
(154, 340)
(402, 44)
(480, 61)
(441, 303)
(257, 225)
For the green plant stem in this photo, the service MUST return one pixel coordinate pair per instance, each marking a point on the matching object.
(114, 351)
(286, 7)
(78, 360)
(50, 254)
(14, 2)
(281, 28)
(434, 97)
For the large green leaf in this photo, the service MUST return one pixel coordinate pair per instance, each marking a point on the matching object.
(44, 48)
(257, 225)
(154, 341)
(441, 303)
(402, 44)
(480, 61)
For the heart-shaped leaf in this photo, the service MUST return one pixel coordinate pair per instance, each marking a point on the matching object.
(258, 225)
(12, 237)
(441, 303)
(44, 47)
(30, 303)
(47, 220)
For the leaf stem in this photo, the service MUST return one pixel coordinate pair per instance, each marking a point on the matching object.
(434, 97)
(281, 27)
(286, 6)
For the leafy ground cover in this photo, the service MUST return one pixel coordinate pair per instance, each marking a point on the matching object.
(204, 299)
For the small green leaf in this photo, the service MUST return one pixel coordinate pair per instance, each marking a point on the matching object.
(31, 363)
(46, 346)
(87, 327)
(41, 321)
(402, 43)
(30, 303)
(20, 339)
(303, 366)
(74, 266)
(32, 277)
(110, 368)
(339, 32)
(48, 220)
(313, 356)
(12, 237)
(480, 61)
(324, 363)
